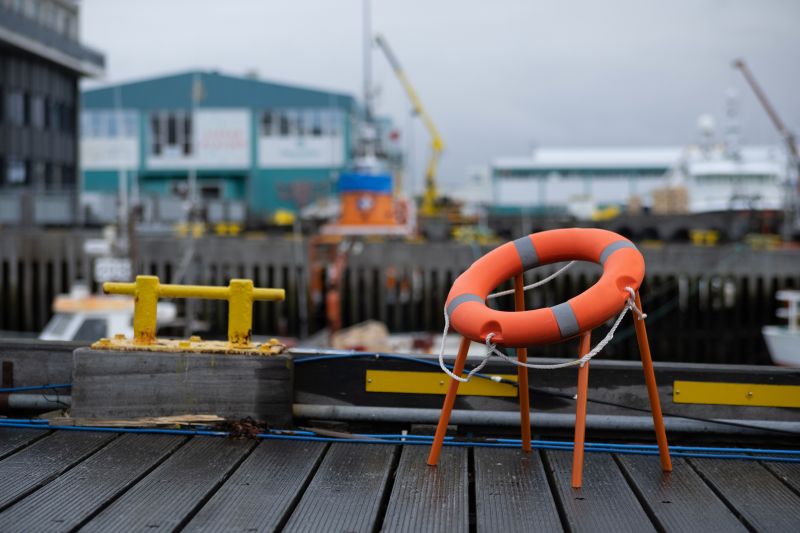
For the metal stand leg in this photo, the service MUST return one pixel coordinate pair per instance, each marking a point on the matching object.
(522, 372)
(652, 390)
(580, 412)
(449, 400)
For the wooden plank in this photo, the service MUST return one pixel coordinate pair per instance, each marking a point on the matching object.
(68, 501)
(760, 498)
(12, 439)
(428, 498)
(43, 460)
(605, 503)
(512, 492)
(262, 491)
(347, 490)
(788, 472)
(169, 495)
(680, 500)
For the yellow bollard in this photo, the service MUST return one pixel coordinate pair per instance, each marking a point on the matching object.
(240, 295)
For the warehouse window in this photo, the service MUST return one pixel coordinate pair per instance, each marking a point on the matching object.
(283, 124)
(307, 122)
(311, 123)
(155, 134)
(293, 118)
(170, 132)
(187, 134)
(332, 120)
(315, 122)
(266, 123)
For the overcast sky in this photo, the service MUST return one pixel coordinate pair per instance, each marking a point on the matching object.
(499, 77)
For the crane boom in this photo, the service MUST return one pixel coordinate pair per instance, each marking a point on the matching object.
(788, 136)
(430, 196)
(792, 220)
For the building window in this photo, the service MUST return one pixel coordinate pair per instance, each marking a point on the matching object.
(15, 108)
(310, 122)
(37, 175)
(68, 180)
(210, 191)
(48, 112)
(16, 172)
(26, 109)
(155, 134)
(171, 132)
(63, 117)
(307, 122)
(37, 112)
(315, 123)
(49, 182)
(187, 135)
(292, 119)
(283, 124)
(266, 123)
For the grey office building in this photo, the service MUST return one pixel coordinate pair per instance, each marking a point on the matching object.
(41, 61)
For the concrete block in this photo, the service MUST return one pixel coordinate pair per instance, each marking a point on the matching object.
(124, 385)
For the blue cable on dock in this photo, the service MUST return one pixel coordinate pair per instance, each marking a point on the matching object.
(785, 456)
(38, 387)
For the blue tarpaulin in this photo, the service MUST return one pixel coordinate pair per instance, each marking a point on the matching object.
(353, 181)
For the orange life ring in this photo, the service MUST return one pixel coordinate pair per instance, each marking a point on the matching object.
(623, 266)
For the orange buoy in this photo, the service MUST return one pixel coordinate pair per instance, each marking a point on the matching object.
(623, 267)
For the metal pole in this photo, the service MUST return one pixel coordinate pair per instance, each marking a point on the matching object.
(368, 60)
(555, 421)
(122, 181)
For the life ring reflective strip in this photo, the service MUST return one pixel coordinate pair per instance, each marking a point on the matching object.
(623, 266)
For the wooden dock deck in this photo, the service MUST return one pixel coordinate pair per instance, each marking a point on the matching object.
(97, 481)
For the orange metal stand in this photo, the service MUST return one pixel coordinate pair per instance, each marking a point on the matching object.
(583, 385)
(580, 411)
(652, 389)
(449, 400)
(522, 372)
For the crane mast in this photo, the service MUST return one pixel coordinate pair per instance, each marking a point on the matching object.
(430, 196)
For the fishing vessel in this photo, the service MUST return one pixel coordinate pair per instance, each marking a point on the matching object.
(784, 341)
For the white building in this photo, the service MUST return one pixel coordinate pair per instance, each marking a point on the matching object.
(583, 179)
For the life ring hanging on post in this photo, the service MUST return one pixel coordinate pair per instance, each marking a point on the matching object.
(623, 268)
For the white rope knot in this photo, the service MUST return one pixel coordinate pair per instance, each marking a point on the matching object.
(631, 302)
(491, 348)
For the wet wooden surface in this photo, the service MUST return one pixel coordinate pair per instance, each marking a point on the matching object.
(82, 481)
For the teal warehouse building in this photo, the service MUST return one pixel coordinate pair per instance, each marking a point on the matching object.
(241, 147)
